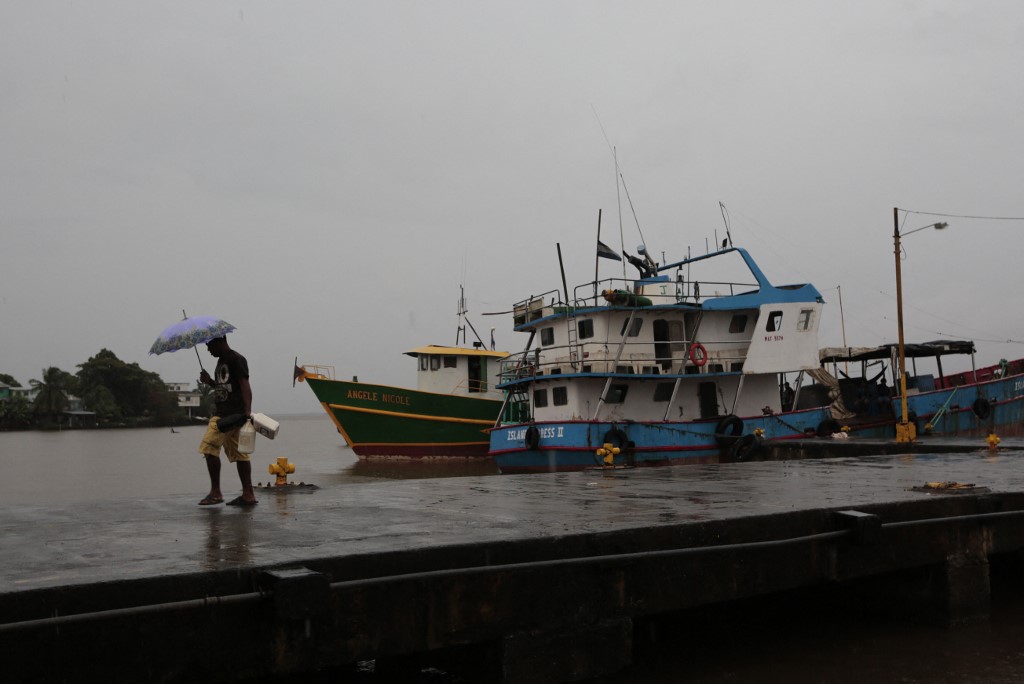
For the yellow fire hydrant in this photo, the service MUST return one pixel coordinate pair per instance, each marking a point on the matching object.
(282, 469)
(607, 453)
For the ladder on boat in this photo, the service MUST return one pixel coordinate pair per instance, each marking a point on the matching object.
(572, 335)
(516, 395)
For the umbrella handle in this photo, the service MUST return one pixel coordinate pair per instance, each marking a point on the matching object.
(185, 315)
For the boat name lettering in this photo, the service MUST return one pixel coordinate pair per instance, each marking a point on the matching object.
(362, 394)
(549, 432)
(773, 338)
(385, 397)
(1018, 386)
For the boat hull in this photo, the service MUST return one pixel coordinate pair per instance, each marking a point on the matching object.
(996, 406)
(379, 421)
(971, 410)
(573, 445)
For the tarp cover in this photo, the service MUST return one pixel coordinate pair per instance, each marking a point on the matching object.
(886, 351)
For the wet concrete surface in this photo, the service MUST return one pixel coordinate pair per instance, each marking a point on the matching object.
(52, 546)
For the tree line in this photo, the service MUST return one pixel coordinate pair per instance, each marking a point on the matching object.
(118, 393)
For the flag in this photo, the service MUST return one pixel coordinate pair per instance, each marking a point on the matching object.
(607, 252)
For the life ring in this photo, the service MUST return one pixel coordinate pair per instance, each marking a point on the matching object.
(828, 427)
(698, 354)
(743, 448)
(727, 429)
(981, 408)
(532, 438)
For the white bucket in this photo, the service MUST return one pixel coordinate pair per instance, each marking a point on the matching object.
(265, 425)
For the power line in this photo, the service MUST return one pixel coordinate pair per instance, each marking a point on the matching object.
(965, 216)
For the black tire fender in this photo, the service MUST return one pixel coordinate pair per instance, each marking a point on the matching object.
(982, 408)
(828, 426)
(727, 429)
(617, 437)
(532, 438)
(743, 448)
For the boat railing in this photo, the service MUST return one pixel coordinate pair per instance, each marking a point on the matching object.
(589, 295)
(316, 371)
(637, 359)
(659, 291)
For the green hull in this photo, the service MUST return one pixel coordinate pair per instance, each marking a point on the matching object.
(378, 420)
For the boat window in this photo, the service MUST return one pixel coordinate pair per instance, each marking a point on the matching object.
(634, 329)
(450, 362)
(803, 323)
(540, 398)
(560, 395)
(616, 394)
(435, 362)
(738, 323)
(663, 391)
(424, 363)
(774, 321)
(547, 337)
(585, 328)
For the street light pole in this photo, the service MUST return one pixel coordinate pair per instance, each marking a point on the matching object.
(905, 430)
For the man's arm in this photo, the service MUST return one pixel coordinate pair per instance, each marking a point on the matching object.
(243, 384)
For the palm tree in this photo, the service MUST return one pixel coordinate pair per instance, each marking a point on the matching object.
(53, 390)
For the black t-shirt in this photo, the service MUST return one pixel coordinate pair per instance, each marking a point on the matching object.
(227, 392)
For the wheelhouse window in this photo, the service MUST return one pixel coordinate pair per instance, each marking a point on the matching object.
(435, 362)
(585, 328)
(424, 363)
(634, 328)
(560, 396)
(774, 321)
(547, 337)
(616, 394)
(540, 398)
(663, 391)
(451, 362)
(803, 324)
(738, 324)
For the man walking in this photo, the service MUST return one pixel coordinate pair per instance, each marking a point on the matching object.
(232, 396)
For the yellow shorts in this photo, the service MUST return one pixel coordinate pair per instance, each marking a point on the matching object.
(214, 440)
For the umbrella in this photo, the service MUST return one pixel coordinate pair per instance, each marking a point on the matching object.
(190, 332)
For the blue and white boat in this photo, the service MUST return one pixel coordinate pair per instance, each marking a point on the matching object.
(677, 366)
(683, 365)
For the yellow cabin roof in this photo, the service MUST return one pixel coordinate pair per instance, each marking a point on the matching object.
(456, 351)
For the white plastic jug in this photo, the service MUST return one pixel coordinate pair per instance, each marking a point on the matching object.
(265, 425)
(247, 438)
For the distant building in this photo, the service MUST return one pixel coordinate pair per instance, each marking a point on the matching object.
(188, 398)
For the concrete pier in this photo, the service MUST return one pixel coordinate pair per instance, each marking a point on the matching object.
(512, 578)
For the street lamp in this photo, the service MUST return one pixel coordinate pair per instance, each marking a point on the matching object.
(905, 431)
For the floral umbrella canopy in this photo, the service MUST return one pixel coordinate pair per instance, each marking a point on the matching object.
(190, 332)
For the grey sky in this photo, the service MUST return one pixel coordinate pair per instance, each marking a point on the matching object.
(324, 175)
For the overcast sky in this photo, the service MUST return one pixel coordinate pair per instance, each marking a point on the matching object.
(325, 175)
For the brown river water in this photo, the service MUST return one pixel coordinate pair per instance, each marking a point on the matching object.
(841, 637)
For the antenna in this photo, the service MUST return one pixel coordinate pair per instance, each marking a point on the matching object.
(461, 330)
(725, 218)
(463, 321)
